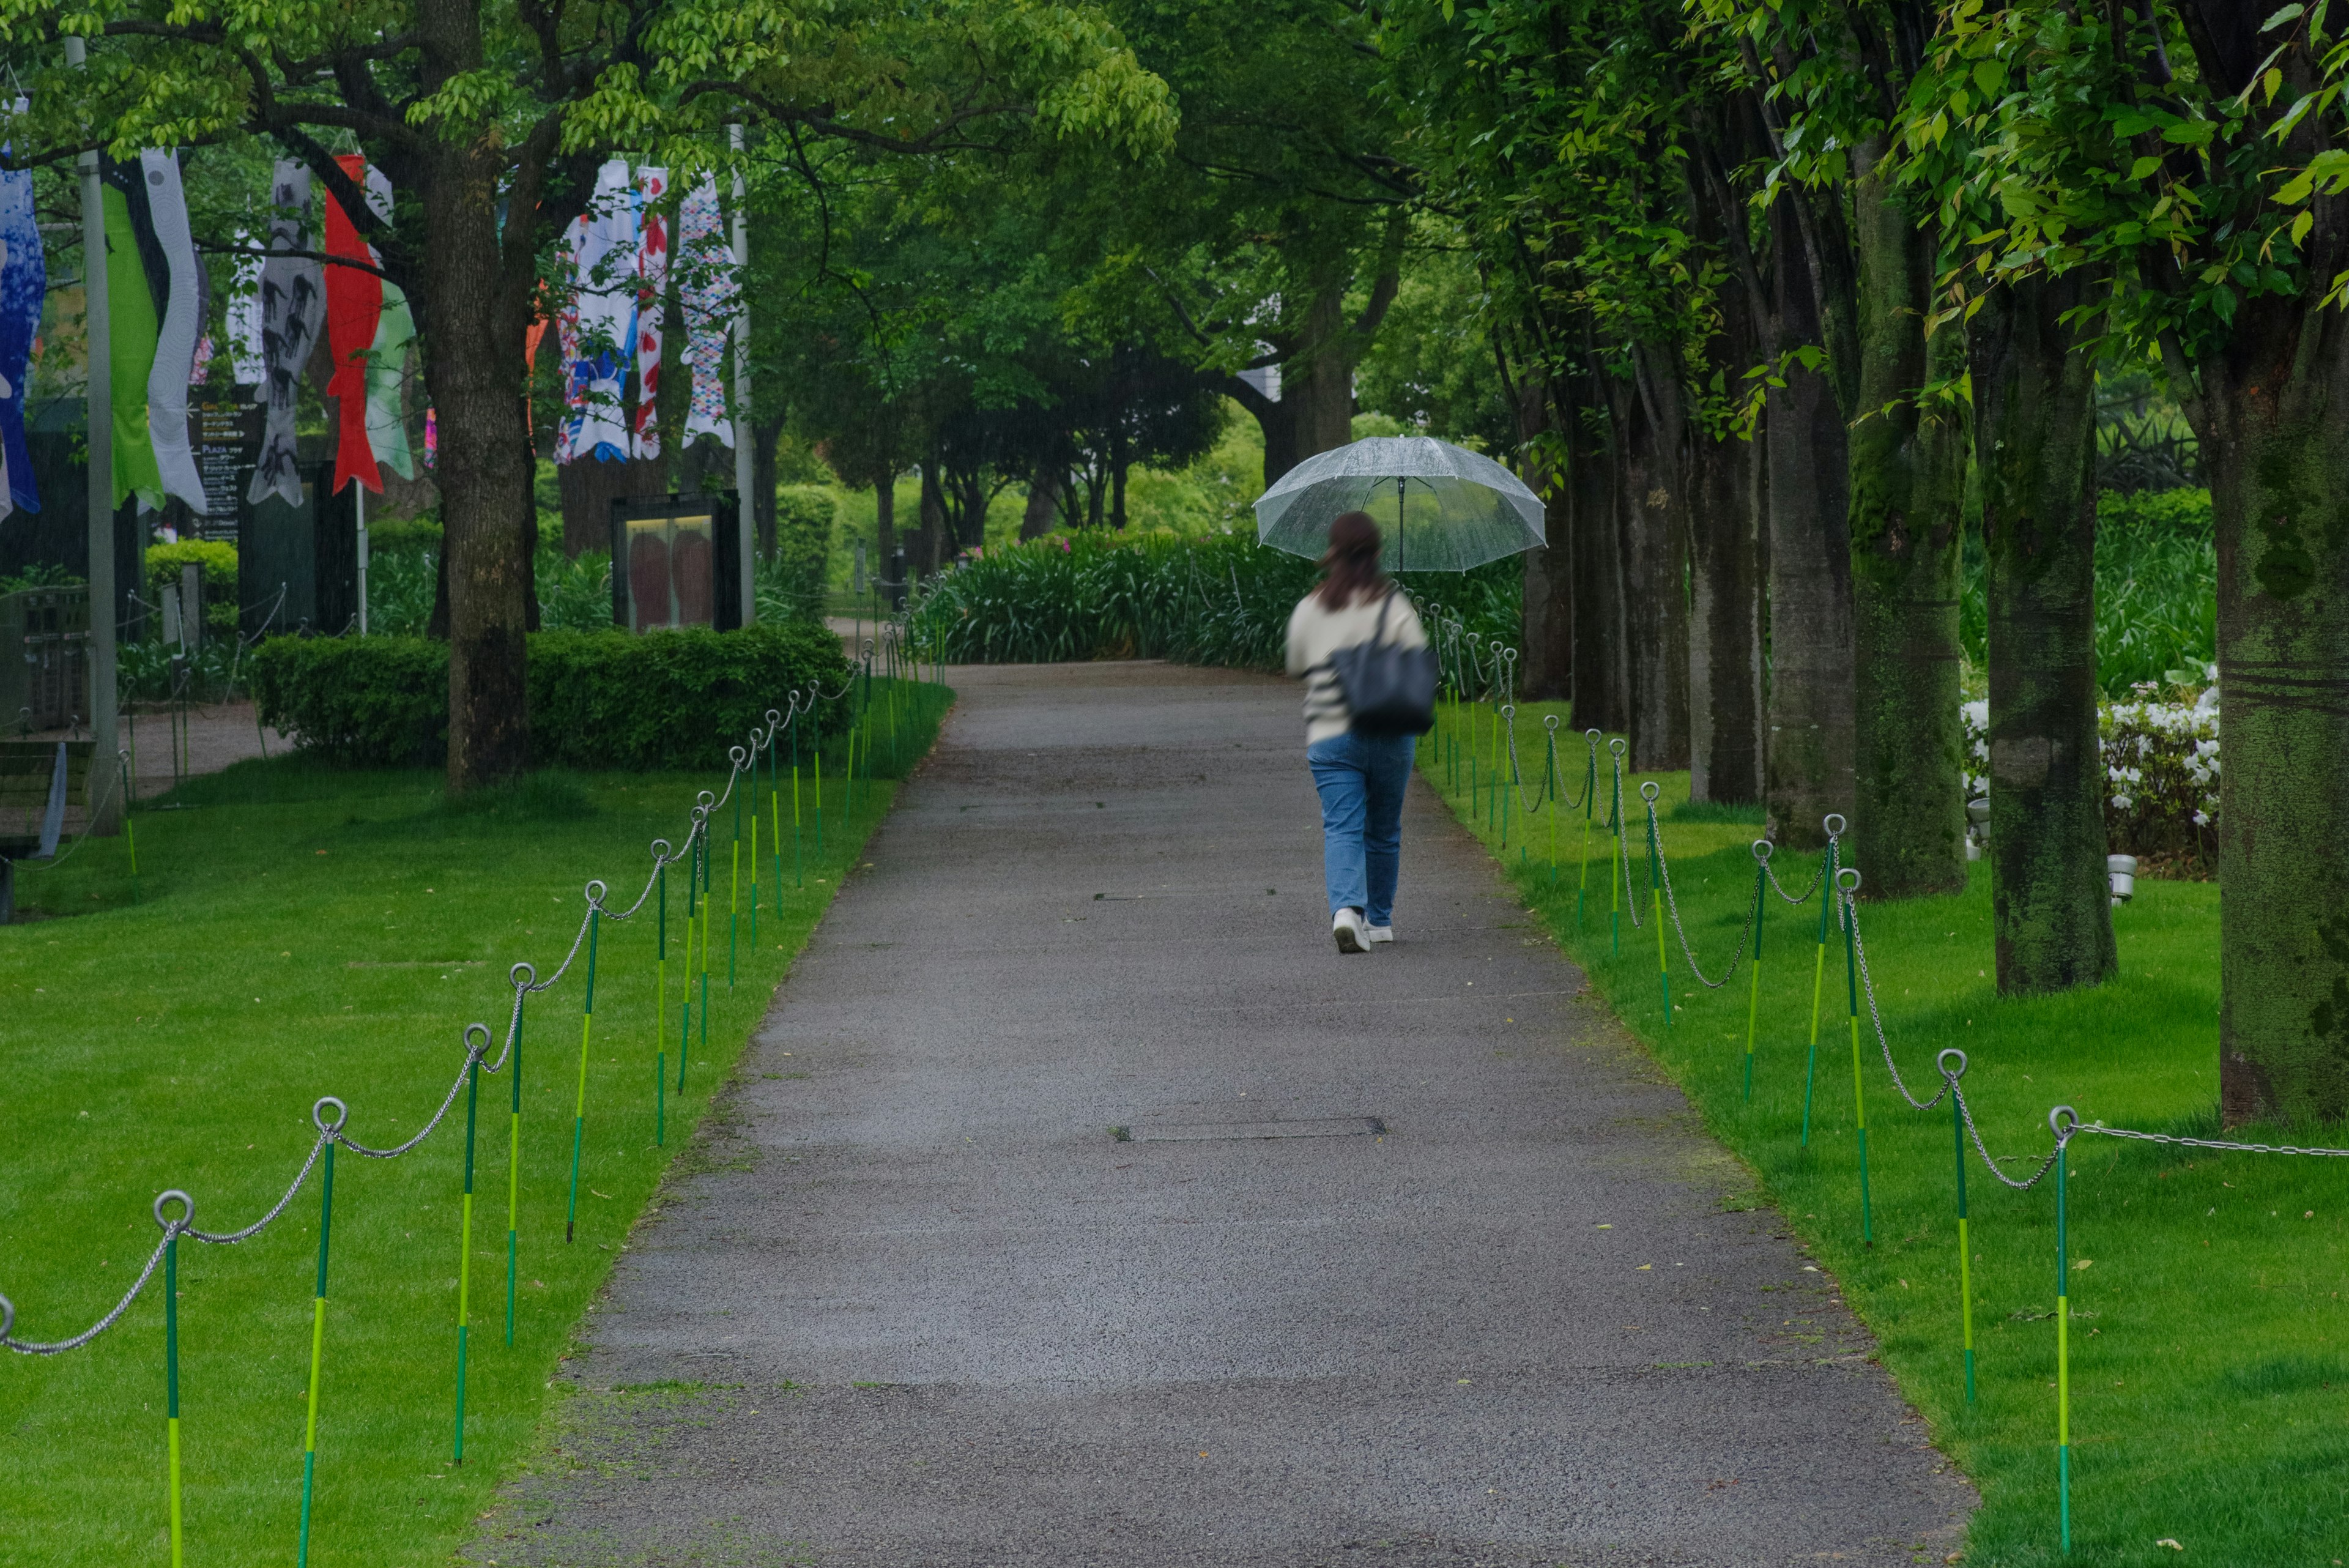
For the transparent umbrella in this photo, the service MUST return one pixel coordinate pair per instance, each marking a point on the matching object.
(1442, 508)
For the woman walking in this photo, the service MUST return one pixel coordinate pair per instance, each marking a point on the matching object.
(1361, 777)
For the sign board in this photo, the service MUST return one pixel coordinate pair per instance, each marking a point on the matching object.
(676, 563)
(226, 435)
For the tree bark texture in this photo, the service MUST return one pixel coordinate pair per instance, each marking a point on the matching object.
(1655, 576)
(1546, 675)
(1724, 621)
(1908, 482)
(1599, 683)
(478, 381)
(2034, 432)
(1043, 502)
(1807, 744)
(933, 544)
(2273, 420)
(885, 523)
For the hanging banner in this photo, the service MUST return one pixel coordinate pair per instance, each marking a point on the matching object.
(293, 304)
(605, 287)
(652, 288)
(181, 329)
(354, 314)
(707, 286)
(135, 271)
(386, 373)
(24, 283)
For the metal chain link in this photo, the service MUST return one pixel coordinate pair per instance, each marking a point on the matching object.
(1672, 905)
(1867, 985)
(525, 981)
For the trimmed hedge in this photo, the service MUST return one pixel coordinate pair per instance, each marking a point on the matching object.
(598, 700)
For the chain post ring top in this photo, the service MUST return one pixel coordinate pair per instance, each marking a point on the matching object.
(2064, 1121)
(318, 1114)
(1763, 850)
(523, 976)
(1942, 1061)
(1834, 823)
(475, 1051)
(187, 1215)
(596, 892)
(1618, 746)
(1649, 791)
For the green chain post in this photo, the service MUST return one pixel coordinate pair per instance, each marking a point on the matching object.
(1851, 981)
(1551, 792)
(465, 1225)
(579, 1108)
(693, 885)
(1589, 806)
(1820, 964)
(171, 1228)
(1615, 857)
(660, 1008)
(1965, 1252)
(1647, 793)
(734, 910)
(514, 1157)
(317, 1322)
(1762, 847)
(2063, 1330)
(799, 878)
(817, 749)
(754, 880)
(708, 858)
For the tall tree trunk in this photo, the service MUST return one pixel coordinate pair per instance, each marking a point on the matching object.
(885, 523)
(1594, 501)
(764, 435)
(1908, 482)
(1725, 622)
(1043, 502)
(478, 384)
(1547, 674)
(2272, 416)
(1655, 567)
(933, 545)
(1807, 738)
(2034, 436)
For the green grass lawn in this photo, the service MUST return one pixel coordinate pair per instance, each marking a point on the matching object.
(300, 931)
(2210, 1382)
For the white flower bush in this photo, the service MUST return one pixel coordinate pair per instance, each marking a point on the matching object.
(2161, 767)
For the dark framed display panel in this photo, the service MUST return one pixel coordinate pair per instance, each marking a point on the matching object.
(677, 561)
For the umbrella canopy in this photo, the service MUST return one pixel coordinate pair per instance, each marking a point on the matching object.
(1442, 508)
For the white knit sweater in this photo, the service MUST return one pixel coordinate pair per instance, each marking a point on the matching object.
(1317, 633)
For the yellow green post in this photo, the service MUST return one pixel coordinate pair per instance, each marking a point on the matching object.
(1965, 1251)
(579, 1108)
(1647, 793)
(660, 1013)
(734, 909)
(172, 1380)
(465, 1242)
(1818, 977)
(1753, 978)
(513, 1172)
(2063, 1350)
(1590, 807)
(1615, 855)
(318, 1357)
(1859, 1094)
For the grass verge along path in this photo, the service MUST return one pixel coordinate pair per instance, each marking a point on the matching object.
(302, 931)
(2208, 1384)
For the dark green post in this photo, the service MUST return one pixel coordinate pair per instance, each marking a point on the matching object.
(1850, 892)
(2063, 1331)
(317, 1323)
(514, 1163)
(1965, 1252)
(171, 1228)
(1647, 793)
(1819, 969)
(1762, 847)
(465, 1230)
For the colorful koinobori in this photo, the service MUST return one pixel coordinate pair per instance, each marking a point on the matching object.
(618, 254)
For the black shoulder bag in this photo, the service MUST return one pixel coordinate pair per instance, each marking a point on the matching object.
(1390, 689)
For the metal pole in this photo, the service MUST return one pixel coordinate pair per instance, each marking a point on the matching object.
(106, 808)
(359, 507)
(742, 385)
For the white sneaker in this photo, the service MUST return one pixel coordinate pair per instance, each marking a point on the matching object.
(1352, 936)
(1381, 933)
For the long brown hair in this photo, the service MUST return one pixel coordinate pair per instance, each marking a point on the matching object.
(1352, 561)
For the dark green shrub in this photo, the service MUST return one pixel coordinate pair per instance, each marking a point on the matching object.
(367, 701)
(599, 700)
(792, 582)
(1217, 598)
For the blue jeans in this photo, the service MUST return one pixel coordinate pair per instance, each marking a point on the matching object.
(1361, 780)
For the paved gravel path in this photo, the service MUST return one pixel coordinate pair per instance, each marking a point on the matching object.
(921, 1305)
